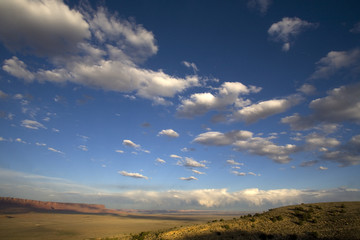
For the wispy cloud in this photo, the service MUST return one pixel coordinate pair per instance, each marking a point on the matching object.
(191, 178)
(55, 150)
(32, 124)
(287, 29)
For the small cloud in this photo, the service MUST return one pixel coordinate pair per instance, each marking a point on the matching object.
(55, 130)
(169, 133)
(133, 175)
(197, 172)
(236, 167)
(2, 139)
(238, 173)
(175, 156)
(190, 65)
(40, 144)
(31, 124)
(232, 162)
(185, 149)
(103, 165)
(189, 162)
(130, 143)
(307, 89)
(19, 140)
(251, 173)
(308, 163)
(159, 160)
(322, 168)
(3, 95)
(119, 151)
(188, 178)
(261, 5)
(54, 150)
(83, 148)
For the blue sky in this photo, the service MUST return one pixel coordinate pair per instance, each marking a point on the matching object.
(180, 104)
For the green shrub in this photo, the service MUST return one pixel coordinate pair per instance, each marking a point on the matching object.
(227, 227)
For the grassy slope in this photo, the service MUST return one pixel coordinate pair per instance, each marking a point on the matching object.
(307, 221)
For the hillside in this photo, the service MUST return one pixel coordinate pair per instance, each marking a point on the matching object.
(338, 220)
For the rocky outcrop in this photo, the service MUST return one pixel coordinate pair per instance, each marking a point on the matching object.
(7, 203)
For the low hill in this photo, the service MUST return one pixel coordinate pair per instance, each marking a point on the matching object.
(18, 205)
(337, 220)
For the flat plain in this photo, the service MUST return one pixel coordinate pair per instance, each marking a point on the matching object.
(59, 226)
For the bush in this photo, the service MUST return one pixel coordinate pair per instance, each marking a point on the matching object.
(227, 227)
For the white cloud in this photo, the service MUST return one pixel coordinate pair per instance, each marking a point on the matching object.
(83, 148)
(238, 173)
(197, 172)
(315, 140)
(233, 162)
(110, 65)
(191, 65)
(169, 133)
(32, 124)
(119, 151)
(133, 175)
(18, 68)
(40, 144)
(287, 29)
(260, 5)
(347, 154)
(189, 162)
(244, 141)
(188, 178)
(222, 139)
(55, 150)
(175, 156)
(341, 104)
(159, 160)
(55, 130)
(19, 140)
(336, 61)
(307, 89)
(228, 95)
(130, 143)
(322, 168)
(45, 28)
(3, 139)
(265, 109)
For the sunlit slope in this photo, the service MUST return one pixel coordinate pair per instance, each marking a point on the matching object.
(337, 220)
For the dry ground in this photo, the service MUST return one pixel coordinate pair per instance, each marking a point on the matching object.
(59, 226)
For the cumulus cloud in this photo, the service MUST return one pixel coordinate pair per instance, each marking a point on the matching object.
(228, 95)
(133, 175)
(130, 143)
(83, 148)
(336, 61)
(238, 173)
(347, 154)
(169, 133)
(190, 163)
(45, 28)
(264, 147)
(222, 139)
(18, 68)
(260, 5)
(287, 29)
(244, 141)
(341, 104)
(188, 178)
(315, 140)
(265, 109)
(111, 64)
(32, 124)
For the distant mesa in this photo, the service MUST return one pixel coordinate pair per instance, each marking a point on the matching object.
(18, 205)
